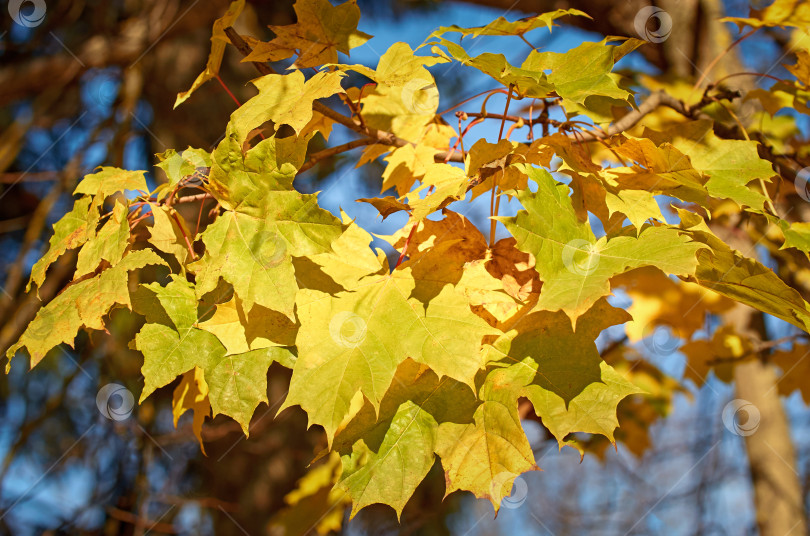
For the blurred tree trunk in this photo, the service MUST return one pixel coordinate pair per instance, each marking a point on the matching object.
(777, 491)
(771, 456)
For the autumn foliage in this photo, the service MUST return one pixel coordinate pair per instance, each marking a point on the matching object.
(407, 360)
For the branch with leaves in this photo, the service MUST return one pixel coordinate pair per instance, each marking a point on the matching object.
(401, 365)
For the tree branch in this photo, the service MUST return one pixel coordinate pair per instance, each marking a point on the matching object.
(332, 151)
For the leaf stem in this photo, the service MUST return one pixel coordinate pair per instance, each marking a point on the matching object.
(493, 206)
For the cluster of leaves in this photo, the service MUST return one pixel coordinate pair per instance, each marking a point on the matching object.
(429, 358)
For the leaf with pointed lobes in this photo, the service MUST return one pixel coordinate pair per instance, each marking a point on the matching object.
(501, 26)
(284, 100)
(387, 453)
(730, 164)
(71, 231)
(486, 456)
(726, 271)
(218, 42)
(192, 394)
(781, 13)
(361, 334)
(574, 266)
(405, 98)
(321, 31)
(110, 180)
(81, 305)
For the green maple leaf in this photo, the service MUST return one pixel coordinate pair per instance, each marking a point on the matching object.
(251, 245)
(527, 82)
(566, 361)
(71, 231)
(387, 453)
(251, 255)
(177, 166)
(728, 272)
(108, 244)
(82, 304)
(574, 266)
(730, 164)
(797, 235)
(561, 372)
(247, 182)
(168, 353)
(582, 72)
(237, 383)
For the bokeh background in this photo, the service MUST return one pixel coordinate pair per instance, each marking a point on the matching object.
(94, 84)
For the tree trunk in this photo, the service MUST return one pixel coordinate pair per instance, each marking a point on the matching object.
(777, 491)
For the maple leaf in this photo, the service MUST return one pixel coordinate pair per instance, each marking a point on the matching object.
(240, 331)
(551, 343)
(251, 245)
(177, 166)
(218, 42)
(720, 354)
(405, 99)
(321, 31)
(362, 334)
(661, 169)
(71, 231)
(536, 355)
(168, 231)
(580, 73)
(108, 244)
(794, 365)
(501, 26)
(487, 455)
(491, 163)
(729, 164)
(82, 304)
(110, 180)
(251, 255)
(731, 274)
(284, 100)
(574, 266)
(443, 184)
(237, 383)
(797, 235)
(527, 82)
(781, 13)
(801, 70)
(192, 394)
(396, 442)
(406, 165)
